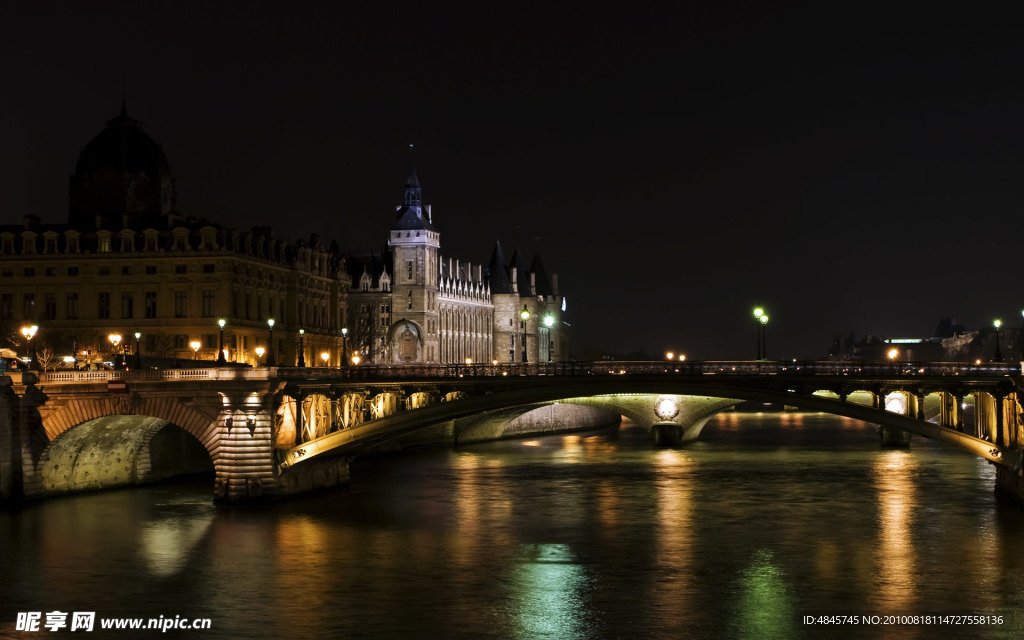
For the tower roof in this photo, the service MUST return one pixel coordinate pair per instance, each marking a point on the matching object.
(522, 273)
(496, 273)
(542, 285)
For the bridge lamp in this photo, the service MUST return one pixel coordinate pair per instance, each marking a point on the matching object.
(344, 344)
(302, 348)
(758, 315)
(669, 355)
(356, 359)
(893, 353)
(115, 339)
(325, 357)
(494, 362)
(469, 361)
(682, 356)
(195, 349)
(259, 354)
(221, 359)
(138, 356)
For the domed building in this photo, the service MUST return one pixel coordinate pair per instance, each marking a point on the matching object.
(127, 262)
(122, 171)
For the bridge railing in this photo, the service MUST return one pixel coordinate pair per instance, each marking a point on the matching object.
(538, 369)
(696, 368)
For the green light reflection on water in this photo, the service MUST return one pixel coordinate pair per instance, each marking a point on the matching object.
(547, 593)
(764, 603)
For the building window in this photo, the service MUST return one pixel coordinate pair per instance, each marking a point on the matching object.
(181, 304)
(7, 306)
(72, 306)
(72, 271)
(211, 341)
(51, 245)
(126, 271)
(50, 306)
(8, 273)
(51, 271)
(150, 304)
(180, 268)
(150, 270)
(408, 265)
(104, 306)
(127, 305)
(207, 268)
(180, 341)
(409, 297)
(30, 272)
(28, 306)
(104, 245)
(104, 271)
(209, 303)
(151, 243)
(72, 245)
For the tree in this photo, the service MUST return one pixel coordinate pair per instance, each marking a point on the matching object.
(46, 358)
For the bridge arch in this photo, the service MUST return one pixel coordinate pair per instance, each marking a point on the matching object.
(370, 434)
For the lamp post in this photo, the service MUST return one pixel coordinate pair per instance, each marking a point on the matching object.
(259, 355)
(758, 312)
(29, 333)
(524, 315)
(195, 349)
(271, 361)
(302, 348)
(344, 345)
(549, 321)
(221, 360)
(115, 339)
(764, 336)
(998, 355)
(138, 356)
(325, 357)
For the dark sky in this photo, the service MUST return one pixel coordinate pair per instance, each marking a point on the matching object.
(850, 170)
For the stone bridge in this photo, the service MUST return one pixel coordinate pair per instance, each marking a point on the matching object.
(272, 432)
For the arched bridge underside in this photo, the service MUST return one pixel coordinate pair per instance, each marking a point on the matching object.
(730, 391)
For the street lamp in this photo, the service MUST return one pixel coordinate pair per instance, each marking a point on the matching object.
(195, 349)
(999, 355)
(270, 345)
(524, 315)
(764, 336)
(115, 339)
(356, 359)
(138, 356)
(549, 321)
(344, 341)
(669, 355)
(259, 355)
(302, 347)
(325, 357)
(29, 333)
(758, 312)
(221, 360)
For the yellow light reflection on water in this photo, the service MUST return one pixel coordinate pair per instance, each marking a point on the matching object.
(168, 543)
(896, 554)
(675, 533)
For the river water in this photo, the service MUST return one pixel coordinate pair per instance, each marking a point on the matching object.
(765, 521)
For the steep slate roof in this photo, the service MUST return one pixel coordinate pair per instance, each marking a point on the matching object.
(496, 273)
(543, 285)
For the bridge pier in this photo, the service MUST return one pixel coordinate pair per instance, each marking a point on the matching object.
(667, 434)
(891, 437)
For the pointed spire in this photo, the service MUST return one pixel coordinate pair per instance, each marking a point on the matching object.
(522, 273)
(413, 191)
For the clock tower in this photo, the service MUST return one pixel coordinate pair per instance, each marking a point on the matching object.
(414, 242)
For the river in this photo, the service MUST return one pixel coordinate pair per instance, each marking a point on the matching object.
(769, 526)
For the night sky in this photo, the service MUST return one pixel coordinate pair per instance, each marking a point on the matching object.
(851, 170)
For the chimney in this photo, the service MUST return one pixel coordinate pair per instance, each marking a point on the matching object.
(533, 282)
(515, 281)
(554, 285)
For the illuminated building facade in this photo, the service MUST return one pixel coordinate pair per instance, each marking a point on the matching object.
(128, 262)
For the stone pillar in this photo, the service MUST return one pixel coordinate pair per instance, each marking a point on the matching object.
(667, 433)
(920, 405)
(1000, 441)
(298, 418)
(958, 411)
(12, 489)
(893, 437)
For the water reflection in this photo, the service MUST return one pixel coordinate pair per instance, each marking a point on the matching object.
(546, 598)
(764, 603)
(169, 540)
(896, 552)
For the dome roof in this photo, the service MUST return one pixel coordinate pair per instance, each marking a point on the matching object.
(123, 147)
